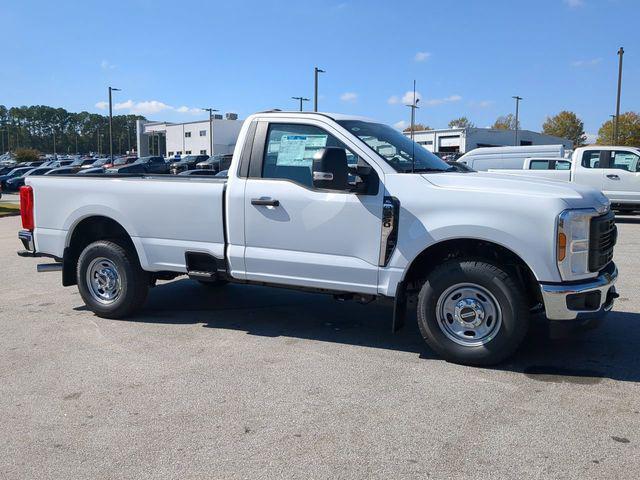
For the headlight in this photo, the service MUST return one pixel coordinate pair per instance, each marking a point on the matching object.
(572, 243)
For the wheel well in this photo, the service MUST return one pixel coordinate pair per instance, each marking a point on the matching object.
(433, 256)
(89, 230)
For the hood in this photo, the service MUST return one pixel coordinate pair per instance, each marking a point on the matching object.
(575, 196)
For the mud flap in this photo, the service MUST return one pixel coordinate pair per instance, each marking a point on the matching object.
(399, 308)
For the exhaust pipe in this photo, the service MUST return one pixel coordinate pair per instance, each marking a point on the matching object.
(49, 267)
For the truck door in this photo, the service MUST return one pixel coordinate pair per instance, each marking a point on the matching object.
(297, 234)
(590, 168)
(621, 181)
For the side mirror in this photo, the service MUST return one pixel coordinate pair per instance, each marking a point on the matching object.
(330, 169)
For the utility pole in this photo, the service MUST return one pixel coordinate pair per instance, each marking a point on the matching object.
(517, 99)
(210, 110)
(316, 71)
(302, 99)
(54, 144)
(617, 122)
(413, 106)
(129, 136)
(111, 89)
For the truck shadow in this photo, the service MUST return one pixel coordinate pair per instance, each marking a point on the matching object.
(609, 351)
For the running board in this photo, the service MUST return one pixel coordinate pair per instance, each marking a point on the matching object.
(203, 276)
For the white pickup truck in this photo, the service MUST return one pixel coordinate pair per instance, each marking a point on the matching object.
(613, 170)
(346, 206)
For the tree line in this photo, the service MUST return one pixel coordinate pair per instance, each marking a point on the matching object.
(565, 125)
(38, 127)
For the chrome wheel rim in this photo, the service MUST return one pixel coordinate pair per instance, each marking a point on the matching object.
(103, 281)
(468, 314)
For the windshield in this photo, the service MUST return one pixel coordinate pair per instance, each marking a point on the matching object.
(120, 161)
(395, 148)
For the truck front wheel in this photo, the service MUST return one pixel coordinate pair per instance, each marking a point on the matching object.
(472, 312)
(110, 280)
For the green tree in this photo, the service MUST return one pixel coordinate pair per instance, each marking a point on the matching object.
(505, 122)
(34, 126)
(565, 125)
(417, 127)
(462, 122)
(628, 131)
(26, 155)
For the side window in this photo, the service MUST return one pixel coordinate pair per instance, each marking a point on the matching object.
(290, 148)
(624, 161)
(563, 165)
(591, 159)
(539, 165)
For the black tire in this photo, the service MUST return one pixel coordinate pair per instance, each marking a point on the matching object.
(134, 282)
(506, 291)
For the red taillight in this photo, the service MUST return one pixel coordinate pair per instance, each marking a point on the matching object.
(26, 207)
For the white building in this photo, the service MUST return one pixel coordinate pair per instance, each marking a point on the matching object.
(169, 139)
(463, 140)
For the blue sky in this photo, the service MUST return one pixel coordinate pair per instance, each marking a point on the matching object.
(468, 57)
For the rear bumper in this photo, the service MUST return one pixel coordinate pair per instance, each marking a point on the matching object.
(26, 237)
(581, 301)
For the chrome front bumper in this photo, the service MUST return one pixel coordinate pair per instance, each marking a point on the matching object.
(590, 299)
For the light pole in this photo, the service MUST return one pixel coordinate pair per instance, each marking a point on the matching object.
(210, 110)
(111, 89)
(517, 99)
(302, 99)
(413, 106)
(55, 157)
(316, 71)
(615, 125)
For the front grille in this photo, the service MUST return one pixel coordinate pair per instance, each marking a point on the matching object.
(602, 238)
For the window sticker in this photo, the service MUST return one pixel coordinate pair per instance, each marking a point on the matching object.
(298, 150)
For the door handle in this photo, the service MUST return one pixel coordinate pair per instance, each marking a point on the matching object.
(265, 202)
(613, 177)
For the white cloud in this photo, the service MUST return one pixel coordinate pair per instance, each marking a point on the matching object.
(191, 111)
(586, 63)
(349, 97)
(481, 103)
(407, 98)
(574, 3)
(401, 125)
(148, 107)
(106, 65)
(393, 100)
(421, 56)
(439, 101)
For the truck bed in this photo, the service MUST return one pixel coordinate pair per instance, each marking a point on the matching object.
(165, 216)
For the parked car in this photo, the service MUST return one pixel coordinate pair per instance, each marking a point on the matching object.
(187, 163)
(61, 163)
(63, 171)
(199, 171)
(153, 164)
(476, 251)
(13, 173)
(223, 174)
(14, 184)
(83, 162)
(100, 162)
(482, 159)
(216, 162)
(119, 162)
(91, 171)
(613, 170)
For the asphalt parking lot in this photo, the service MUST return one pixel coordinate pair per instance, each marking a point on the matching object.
(253, 382)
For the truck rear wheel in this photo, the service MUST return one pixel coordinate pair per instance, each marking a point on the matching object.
(110, 280)
(472, 312)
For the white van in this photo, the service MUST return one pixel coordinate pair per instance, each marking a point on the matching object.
(482, 159)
